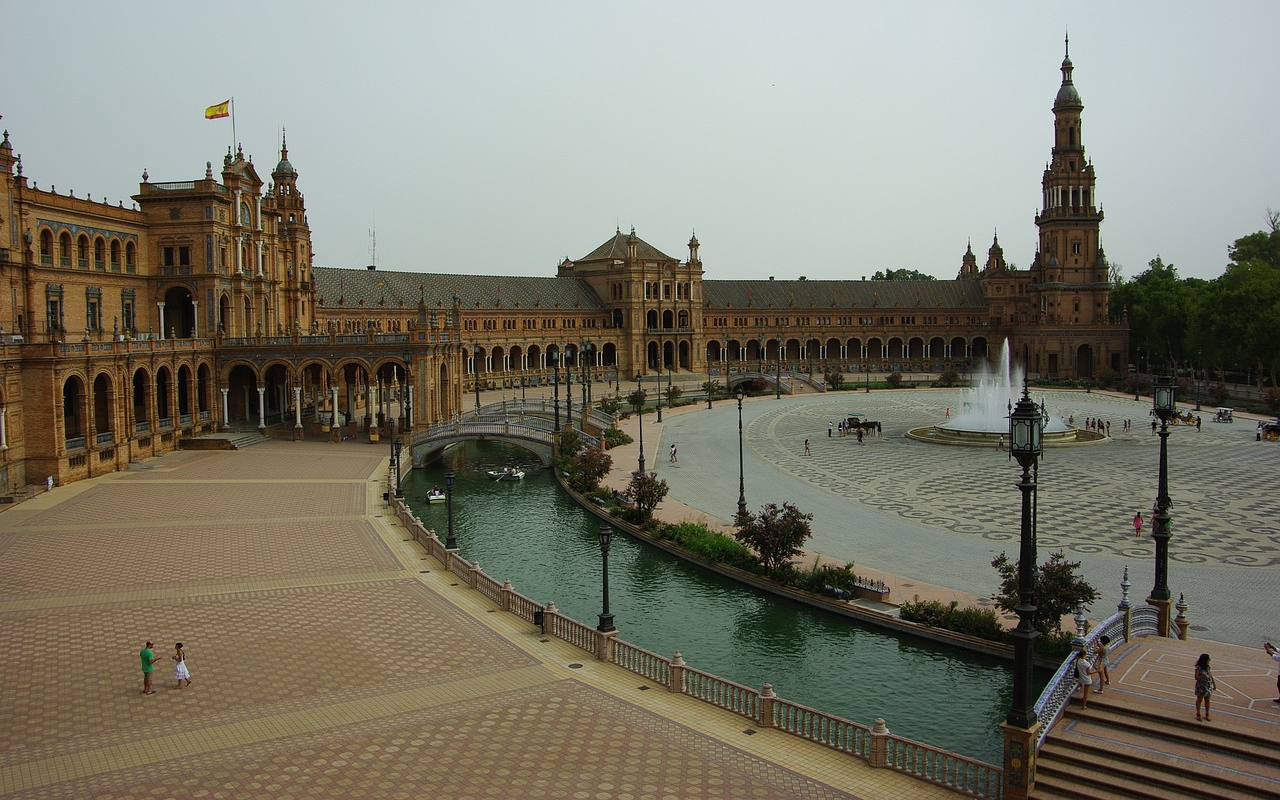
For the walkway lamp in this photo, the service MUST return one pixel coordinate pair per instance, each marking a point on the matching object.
(450, 542)
(777, 381)
(399, 488)
(591, 354)
(555, 384)
(1026, 427)
(568, 391)
(1137, 371)
(639, 407)
(606, 618)
(1164, 405)
(742, 492)
(658, 391)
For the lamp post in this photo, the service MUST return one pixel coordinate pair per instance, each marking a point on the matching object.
(742, 491)
(1026, 426)
(868, 378)
(658, 390)
(1164, 404)
(1137, 371)
(606, 618)
(555, 384)
(450, 542)
(591, 357)
(399, 488)
(639, 407)
(395, 455)
(1195, 375)
(568, 392)
(777, 381)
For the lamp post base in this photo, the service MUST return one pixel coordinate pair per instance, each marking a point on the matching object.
(1164, 615)
(1019, 760)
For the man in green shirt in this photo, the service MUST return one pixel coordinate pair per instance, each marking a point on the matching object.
(149, 660)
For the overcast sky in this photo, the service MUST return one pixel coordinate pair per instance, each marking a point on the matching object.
(828, 140)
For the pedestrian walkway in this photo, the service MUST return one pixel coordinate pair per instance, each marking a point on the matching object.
(329, 658)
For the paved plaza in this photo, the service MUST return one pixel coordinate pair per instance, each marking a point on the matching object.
(329, 658)
(940, 514)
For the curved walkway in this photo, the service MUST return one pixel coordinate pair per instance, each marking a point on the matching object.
(328, 658)
(940, 514)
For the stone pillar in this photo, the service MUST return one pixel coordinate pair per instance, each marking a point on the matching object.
(4, 434)
(297, 413)
(160, 309)
(262, 408)
(1180, 622)
(226, 409)
(604, 645)
(766, 706)
(195, 319)
(1124, 605)
(473, 577)
(1019, 760)
(508, 593)
(335, 430)
(879, 755)
(677, 674)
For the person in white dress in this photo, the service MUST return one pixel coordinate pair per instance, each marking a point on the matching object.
(180, 672)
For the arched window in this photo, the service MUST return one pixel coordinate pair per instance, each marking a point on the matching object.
(46, 246)
(64, 250)
(99, 253)
(115, 255)
(82, 252)
(130, 257)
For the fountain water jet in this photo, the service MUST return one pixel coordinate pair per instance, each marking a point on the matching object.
(983, 419)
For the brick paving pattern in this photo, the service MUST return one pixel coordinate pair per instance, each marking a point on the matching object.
(329, 658)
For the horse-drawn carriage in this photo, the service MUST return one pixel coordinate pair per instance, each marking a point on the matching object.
(1269, 431)
(1224, 415)
(1183, 418)
(859, 422)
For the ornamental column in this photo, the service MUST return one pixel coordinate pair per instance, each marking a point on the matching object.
(262, 407)
(226, 409)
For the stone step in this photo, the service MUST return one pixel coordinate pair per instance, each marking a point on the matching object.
(1117, 750)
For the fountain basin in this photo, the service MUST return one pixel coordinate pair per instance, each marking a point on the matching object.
(939, 434)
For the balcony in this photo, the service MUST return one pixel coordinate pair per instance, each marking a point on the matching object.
(142, 427)
(105, 437)
(76, 443)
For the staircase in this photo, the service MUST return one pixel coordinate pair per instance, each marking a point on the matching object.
(225, 440)
(1123, 749)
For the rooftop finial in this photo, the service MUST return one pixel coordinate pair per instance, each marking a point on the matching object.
(1066, 47)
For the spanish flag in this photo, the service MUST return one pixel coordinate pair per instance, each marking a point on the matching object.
(219, 111)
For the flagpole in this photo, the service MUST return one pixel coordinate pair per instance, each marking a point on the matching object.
(233, 123)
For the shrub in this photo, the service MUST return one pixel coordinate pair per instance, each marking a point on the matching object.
(615, 438)
(1055, 645)
(894, 379)
(834, 380)
(970, 620)
(610, 406)
(1218, 393)
(948, 379)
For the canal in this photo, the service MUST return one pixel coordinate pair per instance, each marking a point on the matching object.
(531, 533)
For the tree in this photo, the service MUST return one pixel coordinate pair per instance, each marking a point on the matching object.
(645, 491)
(834, 380)
(610, 406)
(673, 393)
(712, 388)
(588, 468)
(636, 400)
(776, 534)
(1058, 590)
(901, 275)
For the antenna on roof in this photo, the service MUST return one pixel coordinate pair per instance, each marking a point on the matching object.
(373, 246)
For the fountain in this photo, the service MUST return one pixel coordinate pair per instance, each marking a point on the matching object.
(983, 418)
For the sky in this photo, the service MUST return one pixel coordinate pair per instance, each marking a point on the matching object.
(823, 139)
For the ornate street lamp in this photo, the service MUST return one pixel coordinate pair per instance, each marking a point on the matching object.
(1026, 427)
(777, 381)
(658, 390)
(555, 383)
(1164, 405)
(568, 391)
(450, 543)
(591, 356)
(639, 406)
(742, 492)
(1137, 371)
(399, 488)
(606, 618)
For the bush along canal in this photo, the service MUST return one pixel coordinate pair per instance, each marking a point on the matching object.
(531, 533)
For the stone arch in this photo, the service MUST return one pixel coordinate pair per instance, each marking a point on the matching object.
(104, 400)
(140, 389)
(74, 411)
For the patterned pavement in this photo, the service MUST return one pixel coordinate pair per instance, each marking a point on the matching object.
(328, 658)
(940, 513)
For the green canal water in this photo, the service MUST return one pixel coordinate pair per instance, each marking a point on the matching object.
(531, 533)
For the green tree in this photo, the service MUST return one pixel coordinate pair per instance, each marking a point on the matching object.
(636, 400)
(901, 275)
(672, 394)
(712, 388)
(1058, 590)
(588, 468)
(834, 380)
(610, 405)
(777, 534)
(645, 491)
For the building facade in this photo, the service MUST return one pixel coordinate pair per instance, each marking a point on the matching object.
(198, 307)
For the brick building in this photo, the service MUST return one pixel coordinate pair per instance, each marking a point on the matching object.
(127, 328)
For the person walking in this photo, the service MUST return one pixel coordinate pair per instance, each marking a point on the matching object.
(1137, 524)
(673, 454)
(1205, 685)
(831, 426)
(1275, 656)
(180, 672)
(149, 660)
(806, 447)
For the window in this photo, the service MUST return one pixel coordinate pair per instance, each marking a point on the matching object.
(93, 308)
(127, 318)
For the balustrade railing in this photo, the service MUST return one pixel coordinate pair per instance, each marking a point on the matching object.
(105, 437)
(184, 419)
(1057, 693)
(142, 426)
(965, 775)
(76, 443)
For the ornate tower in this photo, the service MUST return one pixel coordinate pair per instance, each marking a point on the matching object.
(1069, 222)
(294, 241)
